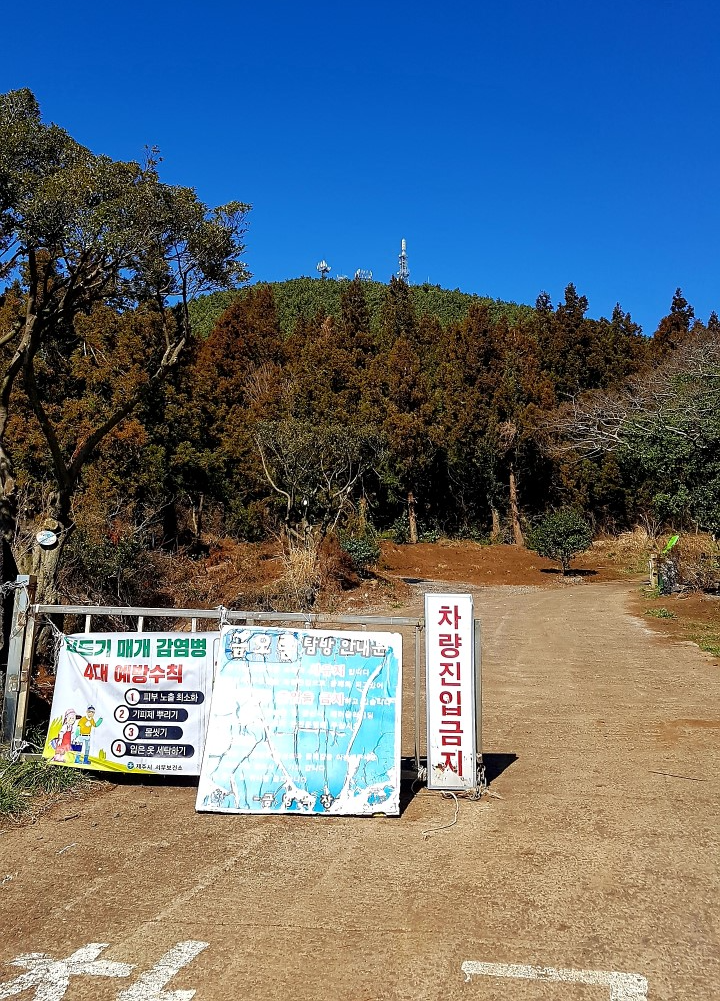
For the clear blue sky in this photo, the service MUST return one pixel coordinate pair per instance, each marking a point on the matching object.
(517, 145)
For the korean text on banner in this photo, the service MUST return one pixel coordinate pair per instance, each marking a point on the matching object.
(450, 687)
(304, 721)
(132, 701)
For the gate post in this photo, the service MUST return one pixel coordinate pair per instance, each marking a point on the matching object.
(17, 677)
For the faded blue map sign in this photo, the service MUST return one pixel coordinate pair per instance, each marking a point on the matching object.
(304, 721)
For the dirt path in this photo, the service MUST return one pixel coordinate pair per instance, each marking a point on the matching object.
(601, 853)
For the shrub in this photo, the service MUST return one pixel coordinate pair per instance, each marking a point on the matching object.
(363, 548)
(560, 535)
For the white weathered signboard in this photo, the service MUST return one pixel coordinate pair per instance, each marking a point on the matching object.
(304, 721)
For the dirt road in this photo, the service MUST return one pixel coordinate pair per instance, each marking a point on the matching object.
(596, 854)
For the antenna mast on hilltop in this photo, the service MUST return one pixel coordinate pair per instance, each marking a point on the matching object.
(403, 273)
(324, 268)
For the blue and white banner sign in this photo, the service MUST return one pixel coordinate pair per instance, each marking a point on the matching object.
(304, 721)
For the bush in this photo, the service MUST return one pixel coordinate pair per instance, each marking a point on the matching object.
(560, 535)
(363, 549)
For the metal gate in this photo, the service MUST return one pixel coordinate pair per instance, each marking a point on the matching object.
(27, 616)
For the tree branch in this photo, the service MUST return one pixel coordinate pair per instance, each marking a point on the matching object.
(270, 480)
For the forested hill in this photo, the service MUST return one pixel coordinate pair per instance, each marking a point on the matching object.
(306, 297)
(304, 407)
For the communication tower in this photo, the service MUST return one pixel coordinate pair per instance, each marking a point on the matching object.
(403, 273)
(324, 268)
(363, 275)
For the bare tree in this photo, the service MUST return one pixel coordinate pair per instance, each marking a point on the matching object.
(316, 469)
(676, 399)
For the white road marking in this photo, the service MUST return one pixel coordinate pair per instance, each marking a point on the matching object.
(52, 977)
(150, 985)
(623, 986)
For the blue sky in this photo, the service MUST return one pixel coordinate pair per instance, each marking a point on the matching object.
(516, 145)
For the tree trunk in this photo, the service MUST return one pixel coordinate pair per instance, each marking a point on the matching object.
(412, 518)
(46, 565)
(8, 497)
(514, 511)
(8, 572)
(196, 514)
(362, 515)
(495, 534)
(45, 561)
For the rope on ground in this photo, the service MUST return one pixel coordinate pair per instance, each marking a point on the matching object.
(15, 753)
(445, 827)
(421, 777)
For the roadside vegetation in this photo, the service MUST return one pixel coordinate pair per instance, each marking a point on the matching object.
(560, 535)
(26, 785)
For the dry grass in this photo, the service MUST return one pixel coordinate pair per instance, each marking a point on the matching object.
(697, 555)
(629, 551)
(698, 559)
(234, 574)
(301, 577)
(277, 575)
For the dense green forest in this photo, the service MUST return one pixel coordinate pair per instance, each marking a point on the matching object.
(151, 403)
(308, 297)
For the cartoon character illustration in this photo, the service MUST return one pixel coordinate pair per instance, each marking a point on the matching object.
(83, 733)
(260, 645)
(62, 744)
(287, 648)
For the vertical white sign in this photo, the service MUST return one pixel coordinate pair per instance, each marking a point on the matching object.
(450, 691)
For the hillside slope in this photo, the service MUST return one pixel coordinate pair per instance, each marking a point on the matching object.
(309, 296)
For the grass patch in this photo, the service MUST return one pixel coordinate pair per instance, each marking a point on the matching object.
(23, 783)
(706, 636)
(660, 613)
(710, 645)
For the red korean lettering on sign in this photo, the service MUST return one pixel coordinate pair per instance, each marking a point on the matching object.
(96, 672)
(451, 724)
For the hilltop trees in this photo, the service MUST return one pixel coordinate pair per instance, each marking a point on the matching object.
(102, 260)
(459, 410)
(674, 329)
